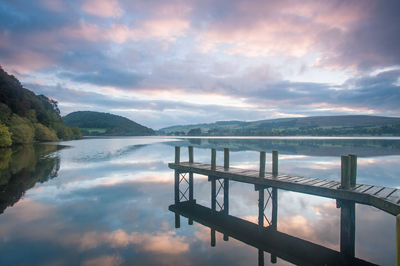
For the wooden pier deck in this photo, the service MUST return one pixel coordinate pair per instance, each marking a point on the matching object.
(347, 192)
(384, 198)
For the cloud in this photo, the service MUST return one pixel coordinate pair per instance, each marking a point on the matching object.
(105, 77)
(102, 8)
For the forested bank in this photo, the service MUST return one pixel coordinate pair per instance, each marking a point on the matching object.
(26, 117)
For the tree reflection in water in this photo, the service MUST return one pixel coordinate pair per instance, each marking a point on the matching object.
(21, 167)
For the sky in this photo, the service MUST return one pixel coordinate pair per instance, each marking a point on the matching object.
(169, 62)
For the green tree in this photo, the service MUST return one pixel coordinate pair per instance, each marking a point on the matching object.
(5, 136)
(21, 129)
(43, 133)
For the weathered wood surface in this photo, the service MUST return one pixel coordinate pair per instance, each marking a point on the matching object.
(386, 199)
(287, 247)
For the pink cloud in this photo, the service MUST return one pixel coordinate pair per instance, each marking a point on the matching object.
(25, 62)
(102, 8)
(104, 260)
(283, 28)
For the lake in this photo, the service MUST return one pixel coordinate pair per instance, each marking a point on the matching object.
(104, 201)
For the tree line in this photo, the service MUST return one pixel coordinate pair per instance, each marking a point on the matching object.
(26, 117)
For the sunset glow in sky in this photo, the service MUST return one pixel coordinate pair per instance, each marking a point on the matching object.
(169, 62)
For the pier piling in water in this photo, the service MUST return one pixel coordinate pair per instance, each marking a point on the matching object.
(262, 164)
(213, 159)
(347, 193)
(274, 163)
(353, 170)
(345, 172)
(226, 158)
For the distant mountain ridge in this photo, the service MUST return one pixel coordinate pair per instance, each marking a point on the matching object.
(105, 124)
(347, 125)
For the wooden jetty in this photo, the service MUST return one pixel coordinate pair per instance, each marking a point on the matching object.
(384, 198)
(346, 192)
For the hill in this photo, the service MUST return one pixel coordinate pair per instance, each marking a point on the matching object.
(105, 124)
(349, 125)
(26, 117)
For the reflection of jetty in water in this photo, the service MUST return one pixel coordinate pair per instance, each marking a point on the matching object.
(22, 167)
(265, 235)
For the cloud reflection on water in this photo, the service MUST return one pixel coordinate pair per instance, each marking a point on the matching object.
(108, 212)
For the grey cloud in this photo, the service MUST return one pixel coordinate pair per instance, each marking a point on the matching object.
(106, 77)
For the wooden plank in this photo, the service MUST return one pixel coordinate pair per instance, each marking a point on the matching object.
(317, 184)
(236, 170)
(297, 179)
(362, 188)
(323, 183)
(291, 179)
(330, 184)
(385, 192)
(306, 180)
(373, 190)
(394, 197)
(335, 185)
(311, 183)
(251, 173)
(282, 177)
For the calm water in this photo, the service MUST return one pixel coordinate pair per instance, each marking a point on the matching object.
(105, 201)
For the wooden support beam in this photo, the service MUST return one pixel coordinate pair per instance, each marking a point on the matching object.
(190, 154)
(275, 163)
(213, 194)
(226, 158)
(353, 170)
(213, 237)
(260, 257)
(176, 186)
(345, 172)
(261, 207)
(191, 186)
(347, 228)
(226, 195)
(177, 220)
(262, 164)
(274, 219)
(213, 159)
(177, 154)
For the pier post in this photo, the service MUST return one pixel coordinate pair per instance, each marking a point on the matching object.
(226, 202)
(347, 228)
(226, 187)
(213, 194)
(274, 219)
(226, 195)
(213, 159)
(213, 237)
(262, 164)
(176, 192)
(261, 207)
(177, 154)
(353, 170)
(226, 158)
(190, 148)
(345, 172)
(260, 257)
(275, 163)
(190, 174)
(398, 240)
